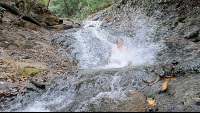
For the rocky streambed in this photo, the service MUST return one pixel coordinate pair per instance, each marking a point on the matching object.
(164, 37)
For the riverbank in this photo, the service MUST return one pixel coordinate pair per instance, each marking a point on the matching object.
(28, 58)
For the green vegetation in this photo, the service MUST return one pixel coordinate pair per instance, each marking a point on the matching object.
(76, 9)
(32, 72)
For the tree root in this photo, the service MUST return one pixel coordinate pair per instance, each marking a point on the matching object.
(23, 16)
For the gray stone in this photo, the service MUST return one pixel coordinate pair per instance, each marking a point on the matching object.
(189, 66)
(192, 32)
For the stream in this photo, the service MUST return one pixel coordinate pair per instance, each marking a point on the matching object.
(100, 86)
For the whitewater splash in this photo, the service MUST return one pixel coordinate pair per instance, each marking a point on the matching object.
(94, 44)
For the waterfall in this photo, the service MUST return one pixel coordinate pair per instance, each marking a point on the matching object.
(94, 43)
(92, 47)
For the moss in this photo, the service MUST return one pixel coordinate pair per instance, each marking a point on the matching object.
(110, 8)
(32, 72)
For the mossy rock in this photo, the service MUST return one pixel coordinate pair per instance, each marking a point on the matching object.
(32, 72)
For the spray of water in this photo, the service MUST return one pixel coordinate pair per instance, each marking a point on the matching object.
(94, 44)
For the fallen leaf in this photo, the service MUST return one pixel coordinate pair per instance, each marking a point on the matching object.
(133, 92)
(164, 86)
(9, 80)
(22, 80)
(150, 82)
(168, 76)
(173, 78)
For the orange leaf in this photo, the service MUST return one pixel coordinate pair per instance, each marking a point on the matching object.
(22, 80)
(168, 76)
(164, 86)
(134, 92)
(150, 82)
(12, 79)
(173, 78)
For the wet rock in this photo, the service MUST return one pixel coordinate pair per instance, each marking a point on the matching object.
(160, 72)
(192, 33)
(179, 92)
(185, 67)
(150, 78)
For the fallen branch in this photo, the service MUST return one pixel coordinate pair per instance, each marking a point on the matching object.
(11, 9)
(23, 15)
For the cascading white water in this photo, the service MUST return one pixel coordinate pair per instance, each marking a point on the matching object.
(94, 44)
(92, 47)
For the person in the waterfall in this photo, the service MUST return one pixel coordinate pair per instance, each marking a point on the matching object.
(117, 52)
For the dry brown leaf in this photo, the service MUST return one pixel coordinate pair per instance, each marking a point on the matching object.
(164, 86)
(9, 80)
(150, 82)
(168, 76)
(173, 78)
(22, 80)
(133, 92)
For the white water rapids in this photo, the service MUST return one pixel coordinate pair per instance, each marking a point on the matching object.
(94, 44)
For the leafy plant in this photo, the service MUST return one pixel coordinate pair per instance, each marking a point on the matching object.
(76, 9)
